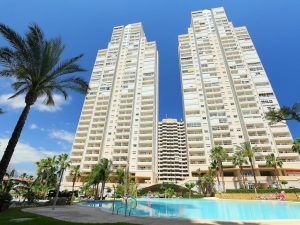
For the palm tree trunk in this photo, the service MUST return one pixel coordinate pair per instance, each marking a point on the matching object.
(74, 180)
(222, 176)
(57, 189)
(253, 171)
(217, 173)
(102, 190)
(97, 191)
(9, 151)
(243, 177)
(277, 176)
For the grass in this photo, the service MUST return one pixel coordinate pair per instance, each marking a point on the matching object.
(14, 213)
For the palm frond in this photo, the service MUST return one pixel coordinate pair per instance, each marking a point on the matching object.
(15, 40)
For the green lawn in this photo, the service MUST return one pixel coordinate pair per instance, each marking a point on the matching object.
(14, 213)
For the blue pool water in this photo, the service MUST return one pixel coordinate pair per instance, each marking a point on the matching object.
(209, 209)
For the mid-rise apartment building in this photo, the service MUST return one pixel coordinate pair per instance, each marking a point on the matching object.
(172, 154)
(226, 93)
(119, 116)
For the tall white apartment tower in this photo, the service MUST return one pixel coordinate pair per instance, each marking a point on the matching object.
(119, 116)
(226, 93)
(172, 154)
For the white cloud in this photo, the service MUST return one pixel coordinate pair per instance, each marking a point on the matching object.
(33, 126)
(25, 153)
(62, 135)
(18, 102)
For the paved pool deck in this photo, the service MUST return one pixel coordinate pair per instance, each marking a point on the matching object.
(95, 215)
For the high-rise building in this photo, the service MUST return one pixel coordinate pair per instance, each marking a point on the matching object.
(226, 94)
(119, 116)
(172, 154)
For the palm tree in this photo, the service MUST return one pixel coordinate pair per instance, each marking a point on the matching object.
(75, 173)
(249, 152)
(239, 160)
(106, 168)
(46, 173)
(206, 183)
(94, 179)
(190, 186)
(35, 64)
(219, 154)
(296, 146)
(214, 167)
(63, 163)
(120, 173)
(275, 162)
(285, 113)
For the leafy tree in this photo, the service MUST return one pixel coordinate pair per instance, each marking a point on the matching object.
(249, 152)
(284, 114)
(284, 182)
(296, 146)
(35, 64)
(120, 174)
(94, 179)
(106, 169)
(214, 167)
(206, 183)
(75, 173)
(275, 162)
(169, 192)
(100, 174)
(190, 186)
(239, 159)
(47, 174)
(63, 163)
(219, 154)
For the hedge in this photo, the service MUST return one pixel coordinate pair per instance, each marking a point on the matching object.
(186, 195)
(160, 188)
(272, 190)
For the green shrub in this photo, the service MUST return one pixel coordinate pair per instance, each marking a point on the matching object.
(186, 195)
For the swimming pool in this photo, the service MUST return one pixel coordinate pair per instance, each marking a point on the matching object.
(209, 209)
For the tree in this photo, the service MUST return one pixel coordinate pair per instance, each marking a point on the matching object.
(105, 171)
(94, 179)
(285, 113)
(284, 182)
(296, 146)
(63, 163)
(214, 167)
(206, 183)
(249, 152)
(120, 174)
(275, 162)
(190, 186)
(169, 192)
(75, 173)
(47, 173)
(219, 154)
(239, 159)
(35, 64)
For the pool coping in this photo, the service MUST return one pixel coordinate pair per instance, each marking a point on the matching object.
(86, 214)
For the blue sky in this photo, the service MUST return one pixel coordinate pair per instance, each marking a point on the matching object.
(86, 26)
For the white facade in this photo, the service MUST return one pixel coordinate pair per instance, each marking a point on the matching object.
(226, 93)
(119, 116)
(172, 154)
